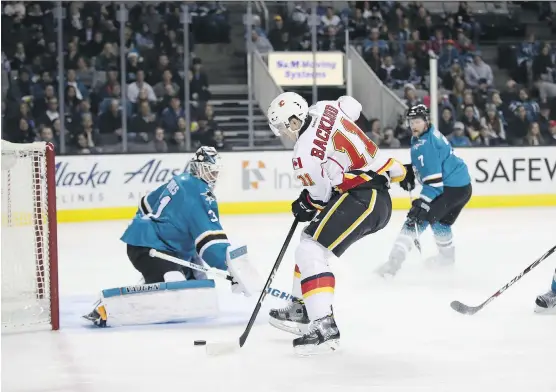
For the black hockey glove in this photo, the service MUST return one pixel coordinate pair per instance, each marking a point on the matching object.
(302, 208)
(419, 211)
(408, 183)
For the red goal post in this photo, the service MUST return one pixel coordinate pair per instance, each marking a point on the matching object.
(29, 250)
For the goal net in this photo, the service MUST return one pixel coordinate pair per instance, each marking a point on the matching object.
(29, 253)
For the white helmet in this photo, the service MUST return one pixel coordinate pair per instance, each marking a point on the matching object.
(282, 109)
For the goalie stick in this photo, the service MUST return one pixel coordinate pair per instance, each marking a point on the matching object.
(471, 310)
(216, 348)
(214, 271)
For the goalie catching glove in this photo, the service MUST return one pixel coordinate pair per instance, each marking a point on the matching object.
(246, 279)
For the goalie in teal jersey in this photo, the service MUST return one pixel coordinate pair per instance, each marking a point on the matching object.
(446, 190)
(181, 219)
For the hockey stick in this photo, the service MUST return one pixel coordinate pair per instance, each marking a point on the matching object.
(207, 270)
(471, 310)
(416, 239)
(223, 347)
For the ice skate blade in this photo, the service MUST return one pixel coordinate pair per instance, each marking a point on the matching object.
(289, 326)
(309, 350)
(541, 310)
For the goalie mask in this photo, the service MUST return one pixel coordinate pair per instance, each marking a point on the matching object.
(206, 165)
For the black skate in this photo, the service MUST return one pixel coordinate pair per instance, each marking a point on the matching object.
(292, 318)
(323, 337)
(97, 316)
(546, 303)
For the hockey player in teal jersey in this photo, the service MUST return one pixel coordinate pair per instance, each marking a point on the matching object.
(446, 190)
(181, 219)
(546, 303)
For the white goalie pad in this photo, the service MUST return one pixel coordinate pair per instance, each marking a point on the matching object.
(245, 275)
(160, 302)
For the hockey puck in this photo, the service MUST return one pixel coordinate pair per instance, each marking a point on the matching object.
(200, 342)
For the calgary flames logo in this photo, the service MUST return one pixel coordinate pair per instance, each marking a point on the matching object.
(282, 103)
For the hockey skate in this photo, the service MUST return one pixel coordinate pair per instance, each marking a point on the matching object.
(323, 337)
(292, 318)
(444, 258)
(390, 268)
(546, 303)
(97, 316)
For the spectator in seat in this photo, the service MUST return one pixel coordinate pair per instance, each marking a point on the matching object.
(458, 137)
(501, 108)
(543, 64)
(374, 41)
(410, 96)
(449, 78)
(511, 93)
(468, 100)
(446, 122)
(47, 136)
(106, 60)
(88, 127)
(21, 87)
(275, 34)
(482, 94)
(390, 140)
(427, 30)
(358, 26)
(544, 120)
(203, 135)
(388, 72)
(261, 44)
(199, 83)
(95, 47)
(80, 90)
(160, 89)
(375, 134)
(471, 123)
(144, 39)
(51, 114)
(331, 40)
(449, 56)
(132, 67)
(373, 59)
(25, 132)
(140, 84)
(330, 18)
(534, 137)
(411, 73)
(85, 145)
(178, 141)
(519, 127)
(220, 141)
(158, 144)
(532, 108)
(70, 61)
(171, 114)
(552, 130)
(284, 44)
(110, 122)
(144, 122)
(478, 70)
(404, 35)
(84, 73)
(492, 123)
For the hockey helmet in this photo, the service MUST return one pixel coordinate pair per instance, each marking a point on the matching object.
(206, 165)
(283, 109)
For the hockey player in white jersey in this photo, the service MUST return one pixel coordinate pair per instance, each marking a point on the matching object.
(546, 303)
(345, 179)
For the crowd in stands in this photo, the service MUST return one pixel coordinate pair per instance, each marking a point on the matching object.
(395, 40)
(92, 118)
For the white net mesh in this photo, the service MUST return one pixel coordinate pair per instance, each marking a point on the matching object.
(25, 237)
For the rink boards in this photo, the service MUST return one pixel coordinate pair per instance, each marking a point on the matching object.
(103, 187)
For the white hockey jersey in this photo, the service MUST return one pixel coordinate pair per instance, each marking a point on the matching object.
(334, 153)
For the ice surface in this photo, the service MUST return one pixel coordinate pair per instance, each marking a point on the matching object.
(397, 335)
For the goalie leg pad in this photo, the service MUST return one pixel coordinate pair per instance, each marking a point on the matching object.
(160, 302)
(246, 277)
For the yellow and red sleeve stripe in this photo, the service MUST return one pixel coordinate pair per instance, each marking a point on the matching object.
(320, 283)
(351, 181)
(296, 272)
(315, 203)
(386, 166)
